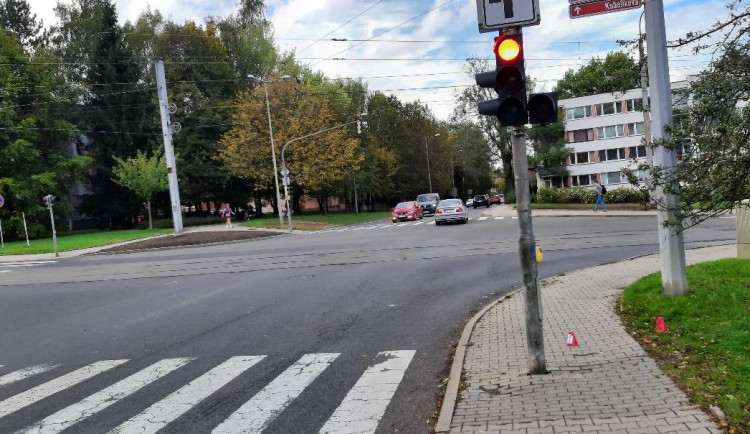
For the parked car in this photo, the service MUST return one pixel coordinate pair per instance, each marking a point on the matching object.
(406, 211)
(451, 210)
(497, 199)
(481, 200)
(470, 201)
(428, 202)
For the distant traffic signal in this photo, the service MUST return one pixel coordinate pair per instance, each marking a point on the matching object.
(49, 200)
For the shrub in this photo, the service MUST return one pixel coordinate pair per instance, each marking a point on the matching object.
(588, 195)
(186, 221)
(13, 229)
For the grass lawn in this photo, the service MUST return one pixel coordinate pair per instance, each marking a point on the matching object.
(80, 240)
(314, 221)
(707, 347)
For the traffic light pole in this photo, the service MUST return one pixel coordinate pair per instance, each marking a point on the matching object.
(527, 250)
(52, 218)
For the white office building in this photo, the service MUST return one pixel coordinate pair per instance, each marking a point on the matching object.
(606, 133)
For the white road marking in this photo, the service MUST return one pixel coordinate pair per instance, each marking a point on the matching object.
(418, 223)
(499, 218)
(24, 373)
(178, 403)
(481, 219)
(5, 271)
(515, 218)
(24, 399)
(255, 414)
(365, 404)
(104, 398)
(25, 263)
(730, 217)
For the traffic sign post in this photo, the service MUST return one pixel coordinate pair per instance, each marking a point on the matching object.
(497, 14)
(589, 8)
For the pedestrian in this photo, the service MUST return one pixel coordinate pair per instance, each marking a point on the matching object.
(600, 191)
(227, 213)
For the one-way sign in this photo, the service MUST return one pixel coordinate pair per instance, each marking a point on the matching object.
(579, 10)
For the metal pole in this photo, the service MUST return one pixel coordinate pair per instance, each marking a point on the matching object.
(25, 229)
(166, 128)
(356, 199)
(645, 106)
(273, 155)
(52, 219)
(288, 207)
(671, 244)
(429, 174)
(527, 250)
(2, 241)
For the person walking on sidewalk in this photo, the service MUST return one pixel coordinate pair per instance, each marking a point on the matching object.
(600, 192)
(227, 213)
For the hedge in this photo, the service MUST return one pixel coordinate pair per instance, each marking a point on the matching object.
(588, 195)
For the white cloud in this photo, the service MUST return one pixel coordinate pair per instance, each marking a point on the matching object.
(557, 44)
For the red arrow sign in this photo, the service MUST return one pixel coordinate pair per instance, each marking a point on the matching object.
(601, 7)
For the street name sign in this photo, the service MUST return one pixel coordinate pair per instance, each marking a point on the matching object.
(579, 10)
(497, 14)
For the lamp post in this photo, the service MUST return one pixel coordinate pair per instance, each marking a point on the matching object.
(427, 153)
(273, 148)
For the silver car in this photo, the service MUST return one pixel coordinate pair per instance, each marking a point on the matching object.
(451, 210)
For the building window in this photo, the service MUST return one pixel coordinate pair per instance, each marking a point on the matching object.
(613, 178)
(637, 151)
(635, 129)
(634, 105)
(608, 108)
(612, 154)
(610, 131)
(582, 157)
(578, 112)
(640, 175)
(581, 180)
(576, 136)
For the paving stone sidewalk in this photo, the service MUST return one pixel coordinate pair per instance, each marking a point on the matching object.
(607, 384)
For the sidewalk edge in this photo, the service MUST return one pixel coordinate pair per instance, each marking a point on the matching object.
(451, 390)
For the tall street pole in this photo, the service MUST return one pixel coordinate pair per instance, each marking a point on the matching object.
(671, 244)
(273, 155)
(527, 250)
(166, 128)
(429, 174)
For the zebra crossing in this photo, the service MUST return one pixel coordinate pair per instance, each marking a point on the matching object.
(7, 267)
(359, 411)
(400, 225)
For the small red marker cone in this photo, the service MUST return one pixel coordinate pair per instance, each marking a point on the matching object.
(661, 325)
(571, 341)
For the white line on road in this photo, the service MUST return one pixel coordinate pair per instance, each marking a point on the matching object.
(255, 414)
(481, 219)
(499, 218)
(5, 271)
(25, 263)
(178, 403)
(365, 404)
(102, 399)
(24, 373)
(418, 223)
(17, 402)
(515, 218)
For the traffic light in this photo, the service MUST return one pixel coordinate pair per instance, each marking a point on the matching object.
(508, 80)
(48, 200)
(44, 200)
(542, 108)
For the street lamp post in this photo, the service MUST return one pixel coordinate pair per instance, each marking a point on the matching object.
(273, 148)
(427, 153)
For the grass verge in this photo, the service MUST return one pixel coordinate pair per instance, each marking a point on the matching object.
(707, 347)
(315, 221)
(74, 241)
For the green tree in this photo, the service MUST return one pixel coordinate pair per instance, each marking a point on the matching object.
(711, 135)
(143, 175)
(550, 150)
(16, 17)
(618, 72)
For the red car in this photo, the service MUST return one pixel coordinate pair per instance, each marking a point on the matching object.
(497, 199)
(406, 211)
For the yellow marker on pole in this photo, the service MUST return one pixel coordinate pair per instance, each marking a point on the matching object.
(539, 255)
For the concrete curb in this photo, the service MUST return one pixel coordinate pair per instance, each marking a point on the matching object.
(454, 381)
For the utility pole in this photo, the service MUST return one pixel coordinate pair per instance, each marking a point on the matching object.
(671, 244)
(646, 107)
(527, 250)
(429, 173)
(166, 128)
(50, 201)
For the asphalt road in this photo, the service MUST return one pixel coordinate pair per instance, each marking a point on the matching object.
(334, 331)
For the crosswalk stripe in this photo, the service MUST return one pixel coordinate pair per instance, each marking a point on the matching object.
(22, 374)
(102, 399)
(366, 402)
(499, 218)
(255, 414)
(24, 399)
(178, 403)
(418, 223)
(481, 219)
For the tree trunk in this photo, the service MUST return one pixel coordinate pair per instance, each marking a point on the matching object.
(148, 207)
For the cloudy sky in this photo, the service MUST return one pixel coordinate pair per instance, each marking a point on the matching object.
(416, 49)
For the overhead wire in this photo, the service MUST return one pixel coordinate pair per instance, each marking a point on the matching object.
(341, 26)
